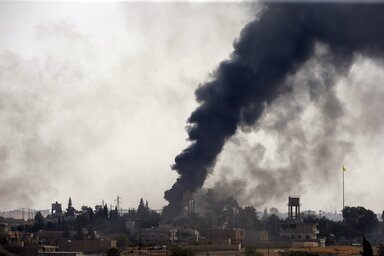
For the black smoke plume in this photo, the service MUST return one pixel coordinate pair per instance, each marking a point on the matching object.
(270, 48)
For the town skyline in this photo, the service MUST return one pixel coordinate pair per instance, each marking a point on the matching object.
(95, 99)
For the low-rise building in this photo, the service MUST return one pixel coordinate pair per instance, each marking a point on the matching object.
(167, 234)
(231, 235)
(187, 236)
(294, 230)
(164, 234)
(257, 236)
(299, 231)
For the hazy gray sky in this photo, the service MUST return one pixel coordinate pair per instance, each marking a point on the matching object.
(94, 98)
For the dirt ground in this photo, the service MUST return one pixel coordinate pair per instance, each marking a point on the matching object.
(338, 250)
(329, 250)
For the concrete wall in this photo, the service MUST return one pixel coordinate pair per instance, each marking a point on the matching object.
(275, 244)
(221, 234)
(214, 247)
(306, 244)
(86, 246)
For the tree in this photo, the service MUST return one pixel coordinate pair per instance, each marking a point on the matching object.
(338, 229)
(105, 212)
(153, 219)
(82, 221)
(70, 212)
(271, 224)
(250, 251)
(265, 213)
(247, 218)
(148, 217)
(91, 233)
(142, 210)
(178, 251)
(88, 212)
(274, 210)
(131, 214)
(310, 218)
(122, 239)
(39, 221)
(113, 252)
(229, 212)
(79, 233)
(360, 219)
(114, 215)
(66, 232)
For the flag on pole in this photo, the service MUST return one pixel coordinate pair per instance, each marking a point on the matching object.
(344, 170)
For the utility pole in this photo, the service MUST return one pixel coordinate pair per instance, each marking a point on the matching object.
(343, 170)
(118, 204)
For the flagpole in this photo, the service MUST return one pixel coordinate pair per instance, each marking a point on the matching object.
(343, 188)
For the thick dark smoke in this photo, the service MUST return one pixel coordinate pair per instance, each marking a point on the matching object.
(301, 141)
(269, 50)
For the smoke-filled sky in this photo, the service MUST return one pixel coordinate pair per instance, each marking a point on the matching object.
(94, 99)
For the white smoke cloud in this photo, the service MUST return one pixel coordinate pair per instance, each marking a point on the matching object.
(94, 97)
(306, 136)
